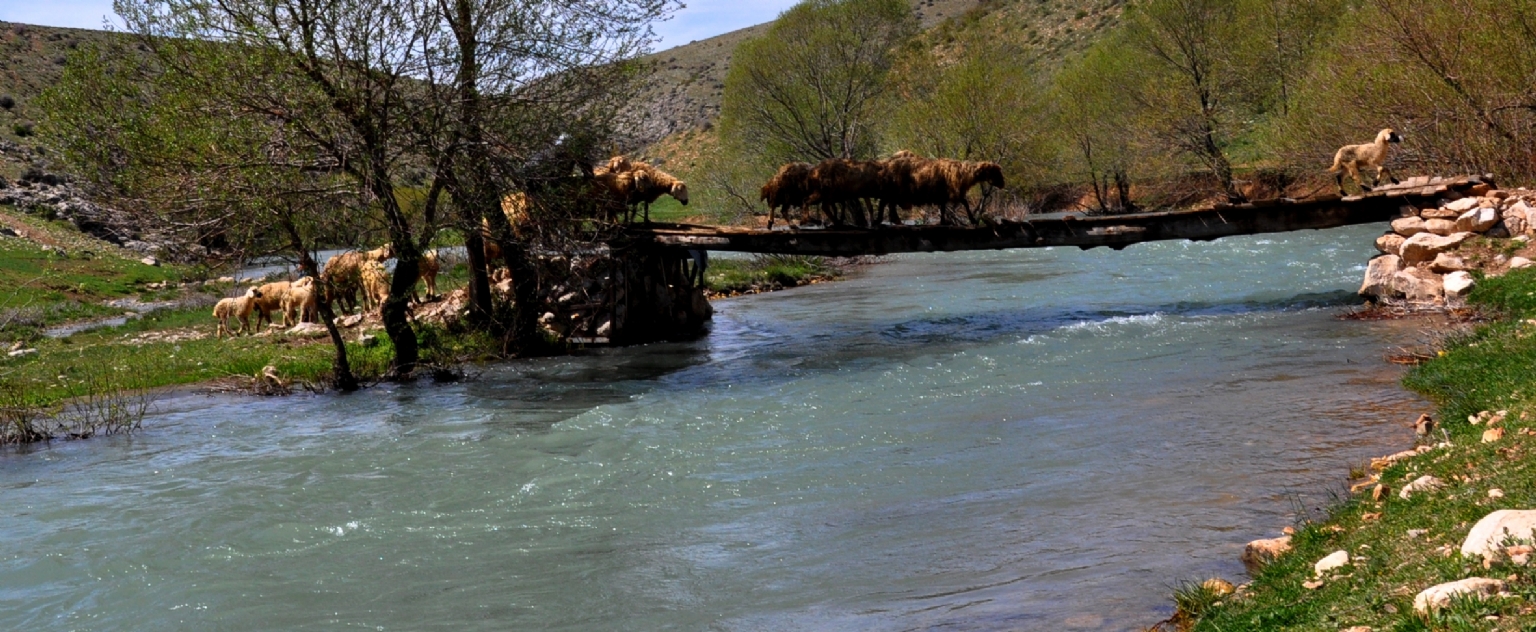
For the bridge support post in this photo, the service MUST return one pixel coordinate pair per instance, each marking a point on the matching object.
(657, 295)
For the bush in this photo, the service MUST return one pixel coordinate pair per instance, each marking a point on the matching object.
(7, 102)
(22, 129)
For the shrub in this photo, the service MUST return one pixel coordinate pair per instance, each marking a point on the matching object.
(7, 102)
(22, 130)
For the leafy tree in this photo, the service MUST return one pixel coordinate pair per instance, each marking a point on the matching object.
(1096, 127)
(814, 86)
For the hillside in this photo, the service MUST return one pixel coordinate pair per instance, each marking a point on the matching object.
(686, 91)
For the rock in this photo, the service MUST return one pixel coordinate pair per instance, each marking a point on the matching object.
(21, 353)
(349, 321)
(1446, 263)
(1519, 263)
(1493, 435)
(1521, 210)
(1408, 226)
(605, 330)
(1423, 247)
(1422, 484)
(1378, 277)
(1390, 243)
(1480, 189)
(1495, 493)
(1358, 628)
(1439, 213)
(150, 261)
(6, 231)
(368, 341)
(309, 330)
(1218, 586)
(1478, 220)
(226, 279)
(1261, 552)
(1458, 284)
(1335, 561)
(1462, 205)
(1419, 285)
(1442, 227)
(1440, 596)
(1520, 555)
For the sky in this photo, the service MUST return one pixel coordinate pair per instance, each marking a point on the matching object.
(701, 19)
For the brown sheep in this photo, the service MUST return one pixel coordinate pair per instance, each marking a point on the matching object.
(274, 296)
(845, 182)
(633, 183)
(652, 183)
(342, 279)
(237, 308)
(301, 304)
(427, 272)
(944, 182)
(375, 283)
(1351, 158)
(789, 188)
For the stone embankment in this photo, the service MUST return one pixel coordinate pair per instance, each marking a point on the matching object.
(51, 196)
(1428, 258)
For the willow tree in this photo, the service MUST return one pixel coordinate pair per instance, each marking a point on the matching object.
(815, 85)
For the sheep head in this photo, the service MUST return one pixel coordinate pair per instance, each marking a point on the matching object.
(1388, 135)
(253, 293)
(990, 173)
(679, 192)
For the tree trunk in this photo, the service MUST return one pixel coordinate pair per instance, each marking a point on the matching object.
(396, 310)
(480, 307)
(343, 379)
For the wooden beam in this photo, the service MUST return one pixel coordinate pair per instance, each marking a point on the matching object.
(1083, 231)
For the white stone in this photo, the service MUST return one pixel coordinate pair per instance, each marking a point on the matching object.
(1519, 263)
(1440, 596)
(1335, 560)
(1441, 227)
(1418, 285)
(1390, 243)
(1458, 284)
(1462, 205)
(1488, 534)
(1423, 247)
(21, 353)
(1408, 226)
(308, 330)
(1421, 484)
(1261, 552)
(1446, 263)
(150, 261)
(1378, 277)
(1477, 220)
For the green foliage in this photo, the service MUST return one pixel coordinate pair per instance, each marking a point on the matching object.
(736, 276)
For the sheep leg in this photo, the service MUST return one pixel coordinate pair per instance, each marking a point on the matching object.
(770, 217)
(1339, 177)
(1390, 176)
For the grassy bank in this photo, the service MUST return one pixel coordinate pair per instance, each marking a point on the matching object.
(1400, 547)
(766, 273)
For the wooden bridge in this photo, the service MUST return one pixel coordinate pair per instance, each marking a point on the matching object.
(1071, 229)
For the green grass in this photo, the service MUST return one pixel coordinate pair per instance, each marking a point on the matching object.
(765, 272)
(1488, 369)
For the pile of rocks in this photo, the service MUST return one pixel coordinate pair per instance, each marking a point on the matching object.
(1420, 265)
(52, 195)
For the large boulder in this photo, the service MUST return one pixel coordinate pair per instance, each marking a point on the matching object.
(1261, 552)
(1446, 263)
(1379, 275)
(1418, 285)
(1423, 247)
(1408, 226)
(1478, 220)
(1390, 243)
(1458, 284)
(1440, 596)
(1462, 205)
(1519, 263)
(1441, 227)
(1488, 534)
(1439, 213)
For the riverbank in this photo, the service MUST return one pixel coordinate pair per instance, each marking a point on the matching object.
(1405, 534)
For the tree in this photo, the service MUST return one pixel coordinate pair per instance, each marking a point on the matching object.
(814, 87)
(1095, 120)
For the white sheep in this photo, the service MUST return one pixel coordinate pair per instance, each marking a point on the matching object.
(238, 308)
(1351, 158)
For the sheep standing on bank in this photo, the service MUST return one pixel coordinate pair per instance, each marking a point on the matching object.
(302, 303)
(428, 269)
(789, 188)
(1352, 158)
(375, 282)
(272, 300)
(342, 279)
(238, 308)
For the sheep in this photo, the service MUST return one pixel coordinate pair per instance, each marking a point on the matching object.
(1351, 158)
(790, 187)
(342, 279)
(845, 182)
(634, 183)
(652, 183)
(301, 304)
(274, 299)
(427, 272)
(237, 308)
(375, 284)
(945, 182)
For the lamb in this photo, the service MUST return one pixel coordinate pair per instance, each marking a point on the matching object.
(237, 308)
(427, 272)
(375, 284)
(1351, 158)
(788, 188)
(301, 304)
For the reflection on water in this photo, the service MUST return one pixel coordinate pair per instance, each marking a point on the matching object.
(1038, 440)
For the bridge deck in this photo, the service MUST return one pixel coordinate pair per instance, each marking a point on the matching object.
(1084, 231)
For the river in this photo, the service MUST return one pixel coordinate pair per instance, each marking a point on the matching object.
(1027, 440)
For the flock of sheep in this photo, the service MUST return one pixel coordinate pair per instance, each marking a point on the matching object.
(346, 275)
(845, 189)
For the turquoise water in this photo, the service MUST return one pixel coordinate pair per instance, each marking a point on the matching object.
(1030, 440)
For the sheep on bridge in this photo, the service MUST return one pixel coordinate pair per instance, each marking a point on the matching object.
(843, 187)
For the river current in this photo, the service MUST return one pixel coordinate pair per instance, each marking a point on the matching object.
(1027, 440)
